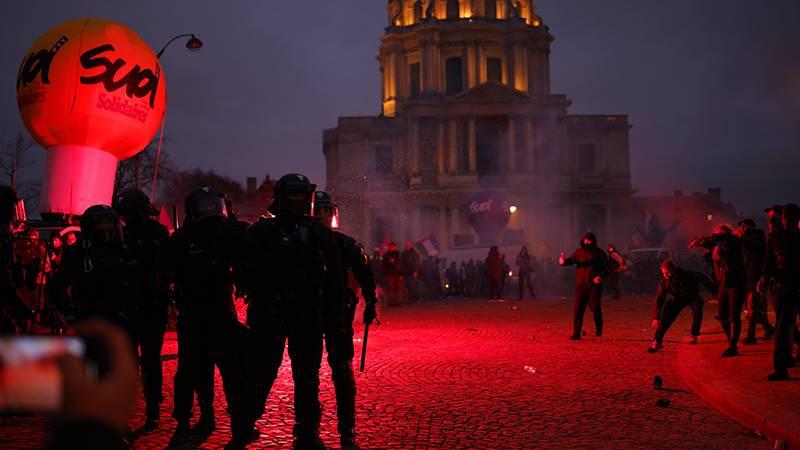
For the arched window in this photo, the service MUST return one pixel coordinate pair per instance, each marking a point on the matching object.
(453, 9)
(490, 9)
(454, 71)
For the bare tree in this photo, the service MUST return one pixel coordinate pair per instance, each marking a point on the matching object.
(15, 156)
(139, 171)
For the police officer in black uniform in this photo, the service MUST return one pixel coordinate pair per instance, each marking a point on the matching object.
(12, 308)
(338, 320)
(99, 270)
(146, 240)
(295, 265)
(203, 255)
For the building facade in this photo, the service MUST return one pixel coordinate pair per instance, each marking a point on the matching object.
(467, 107)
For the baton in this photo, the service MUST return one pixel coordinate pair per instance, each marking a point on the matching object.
(364, 347)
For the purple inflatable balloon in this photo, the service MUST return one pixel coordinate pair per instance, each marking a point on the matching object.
(488, 214)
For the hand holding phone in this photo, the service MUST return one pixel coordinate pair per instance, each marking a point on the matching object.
(111, 398)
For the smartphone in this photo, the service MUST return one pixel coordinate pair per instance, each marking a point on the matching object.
(30, 379)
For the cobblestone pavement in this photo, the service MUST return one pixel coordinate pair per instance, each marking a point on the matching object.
(479, 374)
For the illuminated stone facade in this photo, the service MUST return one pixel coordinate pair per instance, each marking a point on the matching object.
(466, 107)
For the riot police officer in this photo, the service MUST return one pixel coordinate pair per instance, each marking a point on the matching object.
(12, 308)
(146, 240)
(202, 255)
(99, 271)
(295, 265)
(338, 319)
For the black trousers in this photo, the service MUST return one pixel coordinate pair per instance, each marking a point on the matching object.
(200, 348)
(588, 295)
(147, 337)
(757, 306)
(613, 279)
(786, 303)
(265, 355)
(495, 288)
(671, 311)
(731, 302)
(525, 278)
(339, 345)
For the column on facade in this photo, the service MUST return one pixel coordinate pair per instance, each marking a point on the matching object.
(520, 68)
(530, 144)
(472, 66)
(414, 146)
(452, 150)
(441, 232)
(481, 61)
(455, 226)
(511, 147)
(472, 147)
(441, 151)
(425, 66)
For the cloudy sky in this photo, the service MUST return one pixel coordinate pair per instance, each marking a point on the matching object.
(712, 87)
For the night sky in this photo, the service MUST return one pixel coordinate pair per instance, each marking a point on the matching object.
(712, 87)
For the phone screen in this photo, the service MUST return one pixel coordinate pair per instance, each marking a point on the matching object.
(30, 379)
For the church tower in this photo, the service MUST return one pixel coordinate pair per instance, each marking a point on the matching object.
(466, 107)
(444, 47)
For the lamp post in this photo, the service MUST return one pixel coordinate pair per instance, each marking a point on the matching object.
(193, 44)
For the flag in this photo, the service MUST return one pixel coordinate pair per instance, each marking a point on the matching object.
(429, 245)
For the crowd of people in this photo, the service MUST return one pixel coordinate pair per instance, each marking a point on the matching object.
(301, 280)
(291, 269)
(750, 270)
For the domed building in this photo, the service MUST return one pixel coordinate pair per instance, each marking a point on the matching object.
(466, 107)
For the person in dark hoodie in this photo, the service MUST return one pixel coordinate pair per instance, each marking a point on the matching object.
(782, 277)
(592, 268)
(754, 247)
(729, 271)
(678, 289)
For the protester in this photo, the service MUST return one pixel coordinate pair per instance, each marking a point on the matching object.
(729, 271)
(494, 272)
(616, 266)
(393, 275)
(754, 244)
(592, 268)
(525, 268)
(782, 277)
(679, 289)
(410, 263)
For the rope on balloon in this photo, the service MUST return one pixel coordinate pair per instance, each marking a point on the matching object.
(158, 155)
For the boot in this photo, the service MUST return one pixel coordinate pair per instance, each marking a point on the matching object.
(181, 436)
(656, 346)
(730, 351)
(206, 425)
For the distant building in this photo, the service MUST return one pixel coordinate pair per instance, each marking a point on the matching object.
(466, 106)
(681, 216)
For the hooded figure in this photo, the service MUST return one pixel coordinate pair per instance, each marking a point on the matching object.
(592, 268)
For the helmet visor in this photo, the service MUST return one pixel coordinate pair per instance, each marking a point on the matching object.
(203, 207)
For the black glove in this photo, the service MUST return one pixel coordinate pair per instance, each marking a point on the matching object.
(370, 314)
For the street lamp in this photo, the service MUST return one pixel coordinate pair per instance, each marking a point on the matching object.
(193, 44)
(512, 209)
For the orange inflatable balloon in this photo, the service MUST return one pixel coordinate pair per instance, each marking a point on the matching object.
(92, 92)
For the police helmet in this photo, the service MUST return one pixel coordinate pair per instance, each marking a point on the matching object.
(294, 195)
(100, 224)
(203, 203)
(133, 203)
(325, 209)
